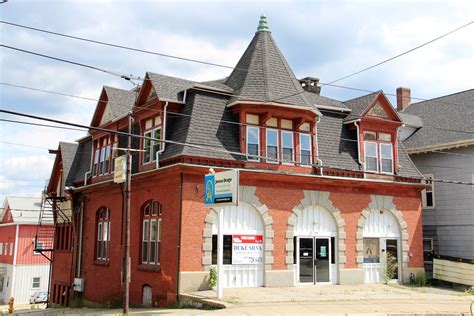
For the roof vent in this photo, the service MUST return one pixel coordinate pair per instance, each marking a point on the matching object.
(311, 84)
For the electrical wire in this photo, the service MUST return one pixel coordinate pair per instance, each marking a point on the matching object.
(204, 147)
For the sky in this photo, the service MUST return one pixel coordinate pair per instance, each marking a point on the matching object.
(323, 39)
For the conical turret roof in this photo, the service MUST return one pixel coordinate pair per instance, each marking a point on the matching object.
(262, 73)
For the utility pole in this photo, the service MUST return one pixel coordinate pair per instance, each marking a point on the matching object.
(126, 264)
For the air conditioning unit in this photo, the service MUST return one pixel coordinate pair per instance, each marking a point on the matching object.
(79, 284)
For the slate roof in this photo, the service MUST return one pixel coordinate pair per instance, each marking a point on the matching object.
(262, 74)
(410, 120)
(358, 105)
(120, 101)
(445, 120)
(81, 163)
(68, 152)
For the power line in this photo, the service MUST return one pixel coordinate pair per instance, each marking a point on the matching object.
(24, 145)
(121, 46)
(204, 146)
(401, 54)
(126, 77)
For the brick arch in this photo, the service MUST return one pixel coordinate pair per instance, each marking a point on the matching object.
(317, 198)
(247, 195)
(382, 203)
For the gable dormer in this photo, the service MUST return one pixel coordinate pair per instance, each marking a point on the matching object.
(376, 123)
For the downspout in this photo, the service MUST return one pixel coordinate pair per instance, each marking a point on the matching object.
(178, 244)
(79, 246)
(319, 162)
(159, 152)
(358, 142)
(85, 177)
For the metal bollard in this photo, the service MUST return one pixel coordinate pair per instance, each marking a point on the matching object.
(10, 305)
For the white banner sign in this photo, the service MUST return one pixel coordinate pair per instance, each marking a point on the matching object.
(247, 249)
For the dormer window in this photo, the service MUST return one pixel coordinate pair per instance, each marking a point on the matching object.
(287, 147)
(378, 149)
(253, 143)
(305, 149)
(152, 143)
(272, 145)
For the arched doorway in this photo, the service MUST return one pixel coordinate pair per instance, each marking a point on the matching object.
(243, 246)
(315, 234)
(381, 247)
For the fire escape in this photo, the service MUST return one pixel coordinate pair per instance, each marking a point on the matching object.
(51, 214)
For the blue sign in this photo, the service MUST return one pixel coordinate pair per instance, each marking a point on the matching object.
(209, 185)
(221, 188)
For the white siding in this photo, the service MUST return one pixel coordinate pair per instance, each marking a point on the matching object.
(7, 272)
(381, 224)
(23, 282)
(241, 220)
(315, 221)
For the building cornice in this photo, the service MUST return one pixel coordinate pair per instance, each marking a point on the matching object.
(437, 147)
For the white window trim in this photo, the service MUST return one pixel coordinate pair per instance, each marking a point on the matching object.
(292, 148)
(11, 249)
(423, 194)
(95, 161)
(376, 156)
(278, 146)
(33, 281)
(380, 157)
(310, 150)
(146, 239)
(101, 161)
(247, 143)
(1, 248)
(431, 243)
(152, 144)
(37, 253)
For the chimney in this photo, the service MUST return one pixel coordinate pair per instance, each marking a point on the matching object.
(403, 98)
(310, 84)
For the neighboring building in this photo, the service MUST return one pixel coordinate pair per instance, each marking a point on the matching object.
(325, 186)
(22, 270)
(440, 140)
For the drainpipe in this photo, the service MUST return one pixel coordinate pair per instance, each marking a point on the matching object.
(79, 246)
(159, 152)
(358, 142)
(85, 177)
(319, 162)
(178, 244)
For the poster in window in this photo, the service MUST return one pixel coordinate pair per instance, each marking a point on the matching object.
(247, 249)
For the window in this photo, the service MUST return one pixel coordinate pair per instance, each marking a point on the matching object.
(371, 250)
(272, 146)
(38, 245)
(1, 283)
(253, 143)
(11, 249)
(427, 195)
(378, 152)
(305, 149)
(103, 234)
(428, 249)
(1, 248)
(107, 159)
(371, 156)
(6, 249)
(95, 162)
(227, 250)
(386, 158)
(287, 145)
(102, 160)
(114, 155)
(151, 147)
(36, 283)
(151, 233)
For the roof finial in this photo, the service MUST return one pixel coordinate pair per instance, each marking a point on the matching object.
(262, 24)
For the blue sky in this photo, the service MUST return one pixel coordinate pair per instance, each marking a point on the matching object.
(324, 39)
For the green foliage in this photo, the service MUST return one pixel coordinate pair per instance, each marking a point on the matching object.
(213, 278)
(469, 291)
(420, 280)
(390, 268)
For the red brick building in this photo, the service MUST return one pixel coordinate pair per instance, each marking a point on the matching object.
(325, 184)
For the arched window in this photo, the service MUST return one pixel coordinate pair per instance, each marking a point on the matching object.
(103, 234)
(151, 233)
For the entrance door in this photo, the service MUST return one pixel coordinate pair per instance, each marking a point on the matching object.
(391, 250)
(306, 260)
(322, 260)
(314, 260)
